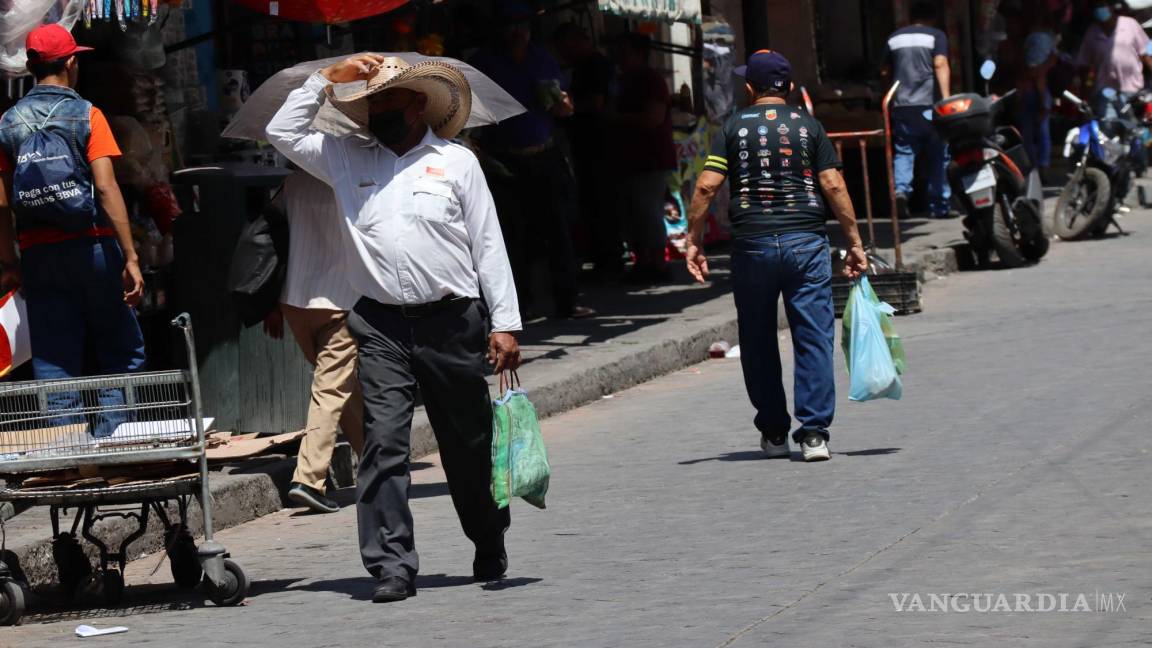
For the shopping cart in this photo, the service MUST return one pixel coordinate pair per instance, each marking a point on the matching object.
(61, 439)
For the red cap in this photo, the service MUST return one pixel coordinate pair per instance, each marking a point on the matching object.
(51, 43)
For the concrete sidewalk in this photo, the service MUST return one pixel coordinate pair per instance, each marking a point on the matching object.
(638, 334)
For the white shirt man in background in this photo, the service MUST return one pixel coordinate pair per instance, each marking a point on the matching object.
(315, 304)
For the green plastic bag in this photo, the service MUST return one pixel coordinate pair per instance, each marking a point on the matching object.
(519, 461)
(894, 343)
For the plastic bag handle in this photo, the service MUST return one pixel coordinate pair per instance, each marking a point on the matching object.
(509, 380)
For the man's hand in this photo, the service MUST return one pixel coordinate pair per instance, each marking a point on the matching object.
(274, 324)
(856, 262)
(357, 68)
(10, 277)
(133, 283)
(697, 262)
(564, 107)
(504, 352)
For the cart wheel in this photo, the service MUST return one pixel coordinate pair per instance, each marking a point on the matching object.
(113, 587)
(182, 557)
(234, 588)
(11, 603)
(72, 565)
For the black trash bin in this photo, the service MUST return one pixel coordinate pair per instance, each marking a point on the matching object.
(249, 382)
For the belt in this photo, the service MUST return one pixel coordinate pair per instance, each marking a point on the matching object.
(416, 311)
(29, 238)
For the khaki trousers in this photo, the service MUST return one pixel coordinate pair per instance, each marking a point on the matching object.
(336, 398)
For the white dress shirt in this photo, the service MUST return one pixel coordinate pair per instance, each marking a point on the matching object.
(423, 225)
(317, 273)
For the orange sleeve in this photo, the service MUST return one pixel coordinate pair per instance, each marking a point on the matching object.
(101, 143)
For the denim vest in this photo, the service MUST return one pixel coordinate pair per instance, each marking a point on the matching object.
(70, 114)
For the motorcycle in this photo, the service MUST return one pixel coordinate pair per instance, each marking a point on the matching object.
(993, 177)
(1106, 155)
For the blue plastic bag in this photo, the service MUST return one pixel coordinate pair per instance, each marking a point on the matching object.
(871, 368)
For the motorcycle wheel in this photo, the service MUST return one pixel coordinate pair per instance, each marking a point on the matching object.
(1033, 241)
(1002, 240)
(1082, 205)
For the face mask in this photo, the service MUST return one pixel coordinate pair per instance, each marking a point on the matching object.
(1102, 14)
(390, 127)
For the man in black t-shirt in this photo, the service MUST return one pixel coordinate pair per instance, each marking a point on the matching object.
(783, 175)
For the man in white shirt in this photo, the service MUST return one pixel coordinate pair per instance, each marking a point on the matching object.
(315, 304)
(424, 246)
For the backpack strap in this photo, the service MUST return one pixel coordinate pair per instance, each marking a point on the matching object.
(53, 110)
(46, 119)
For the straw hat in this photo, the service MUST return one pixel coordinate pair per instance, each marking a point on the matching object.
(449, 95)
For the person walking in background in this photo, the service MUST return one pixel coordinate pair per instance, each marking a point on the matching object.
(643, 155)
(590, 86)
(1035, 97)
(1115, 52)
(77, 267)
(783, 175)
(918, 59)
(531, 201)
(315, 304)
(424, 243)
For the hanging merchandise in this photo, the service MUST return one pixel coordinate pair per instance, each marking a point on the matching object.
(124, 12)
(22, 18)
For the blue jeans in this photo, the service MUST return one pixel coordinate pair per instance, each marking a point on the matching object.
(799, 266)
(1034, 128)
(913, 136)
(75, 295)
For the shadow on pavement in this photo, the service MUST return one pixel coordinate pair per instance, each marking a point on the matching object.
(869, 453)
(509, 583)
(743, 455)
(360, 589)
(45, 607)
(756, 455)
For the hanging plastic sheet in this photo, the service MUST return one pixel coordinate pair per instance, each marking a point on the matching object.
(21, 18)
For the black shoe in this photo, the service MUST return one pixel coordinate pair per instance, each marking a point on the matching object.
(392, 589)
(902, 206)
(312, 498)
(490, 568)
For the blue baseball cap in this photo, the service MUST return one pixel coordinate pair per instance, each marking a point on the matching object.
(767, 69)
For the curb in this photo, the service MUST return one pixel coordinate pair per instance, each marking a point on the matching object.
(582, 387)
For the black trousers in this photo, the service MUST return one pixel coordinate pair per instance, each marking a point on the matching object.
(443, 356)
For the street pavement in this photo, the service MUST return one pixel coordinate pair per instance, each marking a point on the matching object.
(1016, 464)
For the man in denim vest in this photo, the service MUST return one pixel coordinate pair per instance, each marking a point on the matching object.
(80, 282)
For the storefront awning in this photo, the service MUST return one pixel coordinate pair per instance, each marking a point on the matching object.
(658, 10)
(323, 11)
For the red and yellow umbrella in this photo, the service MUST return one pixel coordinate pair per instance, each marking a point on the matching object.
(323, 11)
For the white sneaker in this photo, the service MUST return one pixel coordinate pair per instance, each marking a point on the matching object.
(815, 448)
(775, 451)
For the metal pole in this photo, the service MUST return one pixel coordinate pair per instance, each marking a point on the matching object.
(184, 322)
(867, 192)
(891, 177)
